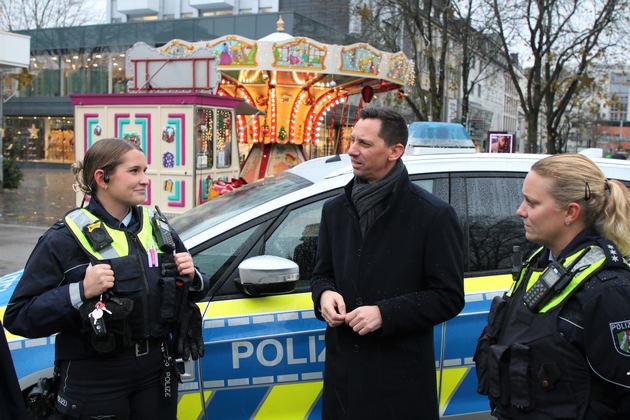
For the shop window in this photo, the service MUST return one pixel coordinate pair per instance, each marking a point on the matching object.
(205, 138)
(24, 138)
(224, 138)
(60, 144)
(39, 139)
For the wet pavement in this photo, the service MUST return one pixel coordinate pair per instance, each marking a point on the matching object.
(44, 196)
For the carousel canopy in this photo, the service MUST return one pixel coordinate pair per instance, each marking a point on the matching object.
(293, 80)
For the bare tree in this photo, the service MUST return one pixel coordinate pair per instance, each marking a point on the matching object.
(37, 14)
(583, 111)
(476, 49)
(559, 40)
(439, 37)
(419, 28)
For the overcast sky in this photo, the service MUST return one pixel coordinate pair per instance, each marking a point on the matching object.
(98, 8)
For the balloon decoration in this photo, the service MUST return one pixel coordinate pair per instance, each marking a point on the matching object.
(367, 93)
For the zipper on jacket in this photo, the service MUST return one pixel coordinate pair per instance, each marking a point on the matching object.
(137, 250)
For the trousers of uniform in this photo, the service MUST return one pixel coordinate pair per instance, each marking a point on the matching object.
(126, 387)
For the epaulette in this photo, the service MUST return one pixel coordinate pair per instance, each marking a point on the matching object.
(58, 224)
(614, 258)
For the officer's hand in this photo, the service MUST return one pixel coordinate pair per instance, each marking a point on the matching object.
(98, 279)
(333, 308)
(185, 265)
(365, 319)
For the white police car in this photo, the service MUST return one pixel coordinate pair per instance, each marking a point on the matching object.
(264, 346)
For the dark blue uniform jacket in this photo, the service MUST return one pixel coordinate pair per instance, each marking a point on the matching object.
(41, 306)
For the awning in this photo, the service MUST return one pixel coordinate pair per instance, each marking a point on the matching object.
(244, 108)
(38, 106)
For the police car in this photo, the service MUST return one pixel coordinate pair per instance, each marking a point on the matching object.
(264, 347)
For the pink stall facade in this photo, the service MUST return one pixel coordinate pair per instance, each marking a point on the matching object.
(189, 140)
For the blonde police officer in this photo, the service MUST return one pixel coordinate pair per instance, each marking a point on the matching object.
(556, 345)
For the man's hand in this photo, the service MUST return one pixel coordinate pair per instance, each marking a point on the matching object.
(365, 319)
(333, 308)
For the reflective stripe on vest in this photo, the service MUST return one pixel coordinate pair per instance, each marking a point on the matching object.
(587, 265)
(523, 271)
(79, 218)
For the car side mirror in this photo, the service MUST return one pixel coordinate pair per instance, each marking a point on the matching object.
(266, 275)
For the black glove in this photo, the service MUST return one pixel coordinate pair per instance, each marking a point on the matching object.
(189, 341)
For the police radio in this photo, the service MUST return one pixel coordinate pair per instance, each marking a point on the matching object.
(162, 231)
(517, 261)
(554, 278)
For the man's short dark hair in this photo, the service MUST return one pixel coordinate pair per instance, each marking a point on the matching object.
(393, 125)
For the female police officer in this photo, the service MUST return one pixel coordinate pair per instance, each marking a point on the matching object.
(557, 344)
(104, 278)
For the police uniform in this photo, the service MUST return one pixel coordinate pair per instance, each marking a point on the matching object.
(128, 372)
(569, 356)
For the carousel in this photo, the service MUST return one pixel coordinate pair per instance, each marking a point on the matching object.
(307, 94)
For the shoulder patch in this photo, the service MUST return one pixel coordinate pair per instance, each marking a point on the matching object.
(620, 332)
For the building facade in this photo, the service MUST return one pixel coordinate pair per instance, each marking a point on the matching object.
(335, 14)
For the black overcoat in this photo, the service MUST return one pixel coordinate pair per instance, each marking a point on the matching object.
(410, 264)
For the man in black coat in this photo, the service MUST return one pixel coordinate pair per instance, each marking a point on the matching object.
(389, 268)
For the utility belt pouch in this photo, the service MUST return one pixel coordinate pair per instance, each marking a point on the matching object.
(40, 401)
(174, 298)
(486, 364)
(495, 316)
(497, 372)
(174, 290)
(519, 383)
(117, 334)
(169, 309)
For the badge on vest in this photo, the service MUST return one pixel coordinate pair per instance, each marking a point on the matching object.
(97, 235)
(621, 336)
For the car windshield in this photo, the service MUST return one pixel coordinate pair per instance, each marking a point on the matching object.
(238, 201)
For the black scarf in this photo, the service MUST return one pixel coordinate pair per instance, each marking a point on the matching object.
(370, 200)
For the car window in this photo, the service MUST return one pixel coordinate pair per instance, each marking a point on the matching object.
(220, 261)
(224, 207)
(434, 183)
(295, 238)
(426, 184)
(213, 259)
(487, 208)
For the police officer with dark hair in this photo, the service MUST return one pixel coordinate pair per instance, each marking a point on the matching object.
(118, 286)
(557, 345)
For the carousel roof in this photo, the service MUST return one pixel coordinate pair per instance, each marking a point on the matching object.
(294, 81)
(278, 59)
